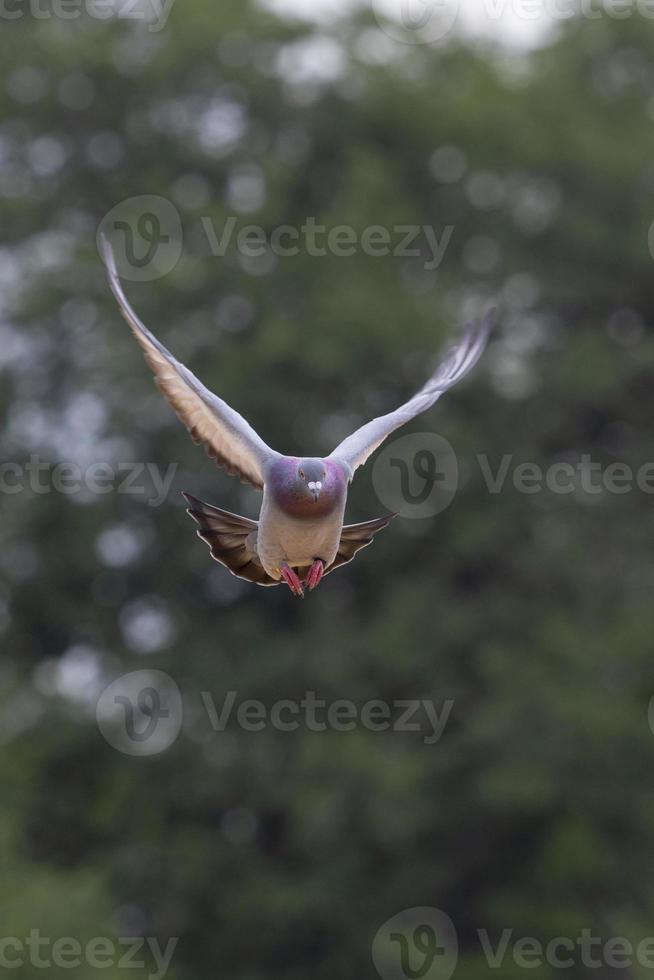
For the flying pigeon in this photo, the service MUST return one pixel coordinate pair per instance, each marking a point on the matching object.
(300, 535)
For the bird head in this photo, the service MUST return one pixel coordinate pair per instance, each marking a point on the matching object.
(308, 488)
(310, 478)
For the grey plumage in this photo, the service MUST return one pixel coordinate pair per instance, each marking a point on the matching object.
(300, 526)
(355, 450)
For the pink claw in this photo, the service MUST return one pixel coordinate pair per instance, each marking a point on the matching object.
(314, 574)
(292, 580)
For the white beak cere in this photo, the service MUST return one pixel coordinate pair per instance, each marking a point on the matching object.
(315, 486)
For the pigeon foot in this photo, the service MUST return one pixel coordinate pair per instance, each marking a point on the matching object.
(292, 580)
(315, 574)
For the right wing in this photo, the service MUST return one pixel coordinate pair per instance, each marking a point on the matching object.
(227, 437)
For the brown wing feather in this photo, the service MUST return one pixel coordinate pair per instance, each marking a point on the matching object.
(231, 539)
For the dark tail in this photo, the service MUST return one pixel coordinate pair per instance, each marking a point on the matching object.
(232, 540)
(354, 537)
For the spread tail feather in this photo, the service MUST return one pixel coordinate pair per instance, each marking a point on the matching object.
(354, 537)
(232, 540)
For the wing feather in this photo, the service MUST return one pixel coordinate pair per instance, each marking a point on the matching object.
(227, 437)
(355, 450)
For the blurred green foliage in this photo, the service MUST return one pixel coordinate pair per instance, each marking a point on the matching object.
(276, 854)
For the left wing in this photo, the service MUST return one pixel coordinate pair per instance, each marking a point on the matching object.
(228, 438)
(355, 450)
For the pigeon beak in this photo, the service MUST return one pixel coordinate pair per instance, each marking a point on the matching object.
(315, 486)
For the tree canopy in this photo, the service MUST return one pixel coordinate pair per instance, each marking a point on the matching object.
(280, 853)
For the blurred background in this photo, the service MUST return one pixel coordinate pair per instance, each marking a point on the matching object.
(270, 853)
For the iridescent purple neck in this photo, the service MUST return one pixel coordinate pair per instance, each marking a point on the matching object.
(291, 494)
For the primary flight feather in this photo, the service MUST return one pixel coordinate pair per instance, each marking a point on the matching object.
(300, 535)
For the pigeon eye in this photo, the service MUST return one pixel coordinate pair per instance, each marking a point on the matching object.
(301, 474)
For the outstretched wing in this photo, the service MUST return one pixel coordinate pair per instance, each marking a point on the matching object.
(227, 437)
(356, 449)
(354, 537)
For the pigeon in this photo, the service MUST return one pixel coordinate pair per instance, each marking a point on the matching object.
(300, 535)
